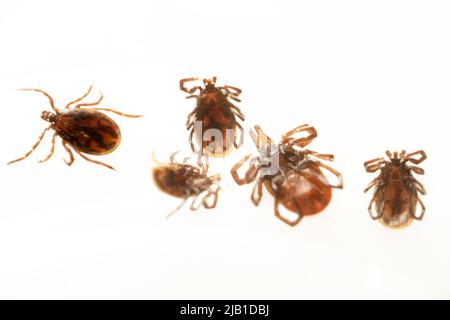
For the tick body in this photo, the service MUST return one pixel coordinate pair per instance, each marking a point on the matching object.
(214, 122)
(88, 131)
(293, 176)
(82, 130)
(307, 192)
(183, 180)
(396, 190)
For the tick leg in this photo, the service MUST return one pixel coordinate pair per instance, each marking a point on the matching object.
(371, 184)
(177, 208)
(374, 164)
(50, 99)
(327, 157)
(237, 112)
(191, 90)
(189, 121)
(206, 198)
(236, 92)
(231, 96)
(409, 157)
(188, 127)
(292, 223)
(116, 112)
(191, 135)
(80, 98)
(214, 179)
(33, 147)
(340, 183)
(172, 156)
(71, 157)
(94, 161)
(90, 103)
(422, 206)
(257, 192)
(301, 142)
(372, 201)
(239, 115)
(259, 137)
(420, 187)
(156, 161)
(186, 160)
(52, 149)
(417, 170)
(250, 175)
(389, 154)
(194, 205)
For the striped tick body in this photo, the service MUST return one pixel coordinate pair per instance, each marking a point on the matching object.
(82, 130)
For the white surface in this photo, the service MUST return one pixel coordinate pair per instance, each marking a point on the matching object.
(369, 75)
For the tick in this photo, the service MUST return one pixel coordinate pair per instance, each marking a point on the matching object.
(183, 180)
(293, 175)
(397, 191)
(82, 130)
(213, 121)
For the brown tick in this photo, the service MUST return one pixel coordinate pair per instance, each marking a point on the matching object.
(83, 130)
(186, 181)
(213, 120)
(291, 174)
(396, 190)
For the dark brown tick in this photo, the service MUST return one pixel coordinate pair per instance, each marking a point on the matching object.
(83, 130)
(186, 181)
(396, 192)
(213, 120)
(291, 174)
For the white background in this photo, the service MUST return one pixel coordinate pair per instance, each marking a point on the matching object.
(369, 75)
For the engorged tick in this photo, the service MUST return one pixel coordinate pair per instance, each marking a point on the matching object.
(186, 181)
(213, 120)
(396, 189)
(289, 173)
(83, 130)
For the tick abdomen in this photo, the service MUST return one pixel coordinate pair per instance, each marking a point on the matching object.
(213, 114)
(312, 195)
(213, 121)
(173, 179)
(396, 210)
(218, 118)
(309, 194)
(88, 131)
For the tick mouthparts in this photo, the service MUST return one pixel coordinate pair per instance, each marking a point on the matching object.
(48, 116)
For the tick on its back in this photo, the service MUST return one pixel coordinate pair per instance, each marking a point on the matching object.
(292, 175)
(176, 179)
(186, 181)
